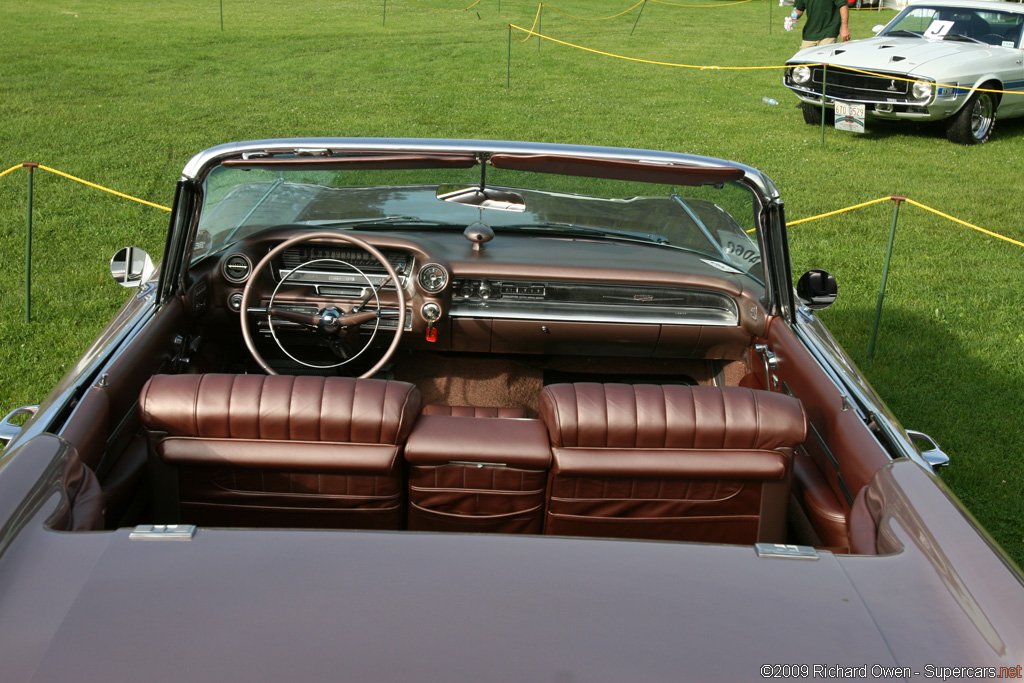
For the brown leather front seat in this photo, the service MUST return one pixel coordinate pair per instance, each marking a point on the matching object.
(670, 462)
(280, 451)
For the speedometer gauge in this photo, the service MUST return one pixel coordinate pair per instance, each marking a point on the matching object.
(433, 277)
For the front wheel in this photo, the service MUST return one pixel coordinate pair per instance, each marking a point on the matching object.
(973, 124)
(812, 113)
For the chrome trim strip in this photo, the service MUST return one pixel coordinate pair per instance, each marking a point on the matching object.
(555, 313)
(197, 167)
(54, 405)
(329, 278)
(867, 407)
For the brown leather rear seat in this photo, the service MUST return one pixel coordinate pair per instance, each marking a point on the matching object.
(670, 462)
(281, 451)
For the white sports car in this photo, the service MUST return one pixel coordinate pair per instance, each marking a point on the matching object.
(953, 60)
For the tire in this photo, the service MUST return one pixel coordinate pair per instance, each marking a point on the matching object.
(974, 123)
(812, 114)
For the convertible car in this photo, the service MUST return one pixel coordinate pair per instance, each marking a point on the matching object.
(957, 61)
(396, 409)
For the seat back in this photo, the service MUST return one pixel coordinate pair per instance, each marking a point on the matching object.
(670, 462)
(280, 451)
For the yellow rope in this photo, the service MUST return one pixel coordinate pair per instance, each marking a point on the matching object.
(964, 223)
(105, 189)
(434, 9)
(571, 16)
(531, 32)
(834, 213)
(917, 204)
(790, 223)
(717, 4)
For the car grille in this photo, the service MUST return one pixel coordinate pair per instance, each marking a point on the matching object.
(844, 84)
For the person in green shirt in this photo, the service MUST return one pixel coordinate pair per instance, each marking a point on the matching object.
(826, 21)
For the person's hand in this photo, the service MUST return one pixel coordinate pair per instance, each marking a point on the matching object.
(844, 35)
(790, 22)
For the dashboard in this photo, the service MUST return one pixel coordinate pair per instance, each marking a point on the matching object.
(517, 294)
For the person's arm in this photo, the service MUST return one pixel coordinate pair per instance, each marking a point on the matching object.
(844, 28)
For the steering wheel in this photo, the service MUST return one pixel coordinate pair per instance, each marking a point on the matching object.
(329, 322)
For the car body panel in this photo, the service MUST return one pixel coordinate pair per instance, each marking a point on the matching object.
(309, 605)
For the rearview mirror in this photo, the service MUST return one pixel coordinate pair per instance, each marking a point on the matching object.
(485, 198)
(131, 267)
(817, 289)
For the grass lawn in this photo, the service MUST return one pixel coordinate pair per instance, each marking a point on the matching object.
(124, 93)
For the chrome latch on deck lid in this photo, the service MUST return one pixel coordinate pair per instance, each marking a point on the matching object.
(163, 532)
(797, 552)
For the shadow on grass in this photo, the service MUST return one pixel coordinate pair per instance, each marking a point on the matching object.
(881, 129)
(934, 384)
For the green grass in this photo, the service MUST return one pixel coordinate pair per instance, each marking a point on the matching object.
(123, 93)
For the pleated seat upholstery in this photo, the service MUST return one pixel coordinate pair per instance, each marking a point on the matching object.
(281, 451)
(672, 462)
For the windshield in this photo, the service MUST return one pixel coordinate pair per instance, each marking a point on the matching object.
(992, 27)
(713, 221)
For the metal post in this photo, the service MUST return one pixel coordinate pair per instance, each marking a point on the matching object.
(540, 24)
(638, 15)
(31, 166)
(221, 15)
(508, 67)
(824, 84)
(769, 17)
(384, 18)
(885, 274)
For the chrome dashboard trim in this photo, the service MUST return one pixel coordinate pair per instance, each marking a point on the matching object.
(593, 314)
(306, 277)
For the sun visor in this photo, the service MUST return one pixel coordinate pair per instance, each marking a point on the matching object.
(639, 171)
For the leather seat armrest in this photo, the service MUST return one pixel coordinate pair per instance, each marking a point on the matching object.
(440, 439)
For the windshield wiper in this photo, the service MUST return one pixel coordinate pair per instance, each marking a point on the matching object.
(570, 230)
(959, 37)
(383, 222)
(903, 33)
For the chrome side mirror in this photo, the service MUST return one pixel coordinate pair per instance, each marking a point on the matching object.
(131, 267)
(876, 28)
(934, 455)
(817, 289)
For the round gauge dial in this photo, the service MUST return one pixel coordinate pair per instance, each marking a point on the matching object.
(236, 267)
(433, 277)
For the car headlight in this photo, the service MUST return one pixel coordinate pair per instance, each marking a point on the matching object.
(800, 74)
(921, 90)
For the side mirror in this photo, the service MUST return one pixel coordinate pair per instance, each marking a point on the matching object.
(876, 28)
(933, 455)
(131, 267)
(817, 289)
